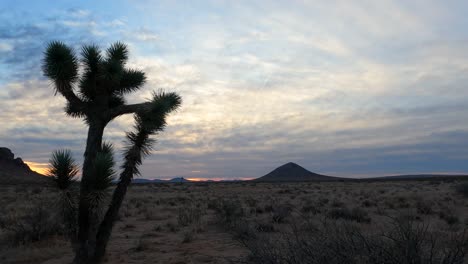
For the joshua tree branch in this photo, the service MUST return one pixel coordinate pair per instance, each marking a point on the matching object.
(130, 109)
(67, 92)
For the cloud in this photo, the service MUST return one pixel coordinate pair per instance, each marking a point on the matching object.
(78, 13)
(5, 47)
(341, 88)
(146, 35)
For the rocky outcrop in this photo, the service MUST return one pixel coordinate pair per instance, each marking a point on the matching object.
(6, 154)
(15, 171)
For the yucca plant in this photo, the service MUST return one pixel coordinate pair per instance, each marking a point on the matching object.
(63, 171)
(63, 168)
(97, 96)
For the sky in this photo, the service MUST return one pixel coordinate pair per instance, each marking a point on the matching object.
(346, 88)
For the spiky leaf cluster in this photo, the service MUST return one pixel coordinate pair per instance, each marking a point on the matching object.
(63, 168)
(108, 74)
(148, 123)
(154, 120)
(104, 172)
(60, 64)
(104, 79)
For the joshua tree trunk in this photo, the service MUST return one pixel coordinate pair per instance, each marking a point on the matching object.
(105, 229)
(93, 145)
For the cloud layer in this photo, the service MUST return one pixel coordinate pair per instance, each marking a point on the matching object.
(348, 89)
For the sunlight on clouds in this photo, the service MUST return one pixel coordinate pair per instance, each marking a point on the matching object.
(299, 80)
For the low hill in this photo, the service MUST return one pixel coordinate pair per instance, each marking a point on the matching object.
(15, 171)
(291, 172)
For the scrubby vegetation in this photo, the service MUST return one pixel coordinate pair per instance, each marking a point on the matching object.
(380, 222)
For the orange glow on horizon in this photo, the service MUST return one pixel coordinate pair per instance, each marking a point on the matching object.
(41, 168)
(217, 179)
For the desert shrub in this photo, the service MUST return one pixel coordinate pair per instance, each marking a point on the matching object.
(462, 189)
(243, 230)
(323, 201)
(188, 215)
(251, 202)
(424, 207)
(413, 242)
(268, 208)
(37, 225)
(281, 212)
(285, 191)
(172, 227)
(142, 245)
(150, 213)
(36, 190)
(356, 214)
(402, 202)
(259, 210)
(310, 208)
(368, 203)
(449, 216)
(337, 203)
(213, 204)
(452, 220)
(229, 211)
(300, 246)
(264, 227)
(405, 242)
(188, 236)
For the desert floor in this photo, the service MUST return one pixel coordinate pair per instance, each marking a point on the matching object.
(228, 222)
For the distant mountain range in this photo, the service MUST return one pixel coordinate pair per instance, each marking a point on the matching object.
(15, 171)
(292, 172)
(174, 180)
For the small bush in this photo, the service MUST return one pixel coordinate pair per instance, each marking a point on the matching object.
(310, 208)
(264, 227)
(229, 211)
(142, 245)
(188, 236)
(39, 224)
(449, 216)
(188, 215)
(462, 189)
(368, 203)
(172, 227)
(280, 213)
(424, 207)
(355, 214)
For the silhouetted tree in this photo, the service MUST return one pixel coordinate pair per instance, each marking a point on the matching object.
(96, 94)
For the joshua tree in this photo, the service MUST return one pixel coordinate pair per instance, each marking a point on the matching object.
(96, 94)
